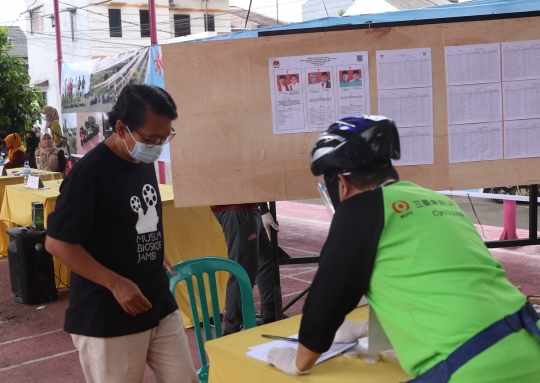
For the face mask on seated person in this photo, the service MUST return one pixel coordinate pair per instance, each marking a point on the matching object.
(143, 153)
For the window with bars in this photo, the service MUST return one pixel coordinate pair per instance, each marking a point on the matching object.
(209, 24)
(115, 23)
(36, 20)
(144, 18)
(182, 25)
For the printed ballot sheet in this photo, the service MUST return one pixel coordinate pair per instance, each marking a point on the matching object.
(475, 142)
(407, 107)
(404, 68)
(473, 64)
(310, 92)
(521, 60)
(521, 99)
(522, 138)
(474, 103)
(416, 146)
(260, 352)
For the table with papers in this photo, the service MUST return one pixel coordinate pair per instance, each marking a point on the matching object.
(229, 362)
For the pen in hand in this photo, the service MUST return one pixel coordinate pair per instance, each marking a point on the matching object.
(279, 337)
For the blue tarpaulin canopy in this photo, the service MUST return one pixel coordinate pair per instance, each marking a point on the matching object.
(475, 8)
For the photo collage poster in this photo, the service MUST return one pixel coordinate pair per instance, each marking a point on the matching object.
(90, 88)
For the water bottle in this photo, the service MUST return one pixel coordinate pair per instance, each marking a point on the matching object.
(1, 161)
(26, 171)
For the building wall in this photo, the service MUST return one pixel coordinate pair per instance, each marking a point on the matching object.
(42, 56)
(197, 9)
(92, 33)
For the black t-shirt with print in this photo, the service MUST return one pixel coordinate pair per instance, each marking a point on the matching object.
(112, 207)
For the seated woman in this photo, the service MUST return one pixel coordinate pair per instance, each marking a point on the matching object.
(14, 158)
(50, 157)
(32, 143)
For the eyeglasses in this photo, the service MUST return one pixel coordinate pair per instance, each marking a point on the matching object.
(154, 141)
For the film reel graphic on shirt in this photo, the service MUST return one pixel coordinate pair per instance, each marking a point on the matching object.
(148, 221)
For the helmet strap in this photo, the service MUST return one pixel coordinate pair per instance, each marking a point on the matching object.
(332, 184)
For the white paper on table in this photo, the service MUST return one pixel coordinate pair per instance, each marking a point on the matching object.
(475, 142)
(474, 103)
(473, 64)
(521, 99)
(416, 146)
(260, 352)
(404, 68)
(522, 138)
(521, 60)
(407, 107)
(34, 182)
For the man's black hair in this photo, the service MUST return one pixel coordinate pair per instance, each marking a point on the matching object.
(3, 135)
(373, 175)
(134, 102)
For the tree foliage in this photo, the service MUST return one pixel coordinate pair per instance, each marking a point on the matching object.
(20, 105)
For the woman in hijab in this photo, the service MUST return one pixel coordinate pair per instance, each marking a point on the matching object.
(32, 143)
(53, 123)
(49, 156)
(15, 155)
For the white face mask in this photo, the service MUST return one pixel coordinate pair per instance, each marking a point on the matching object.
(44, 117)
(143, 153)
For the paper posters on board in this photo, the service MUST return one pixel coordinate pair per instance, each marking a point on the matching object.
(473, 64)
(475, 142)
(404, 68)
(521, 60)
(310, 92)
(405, 94)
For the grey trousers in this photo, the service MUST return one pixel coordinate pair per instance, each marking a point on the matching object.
(248, 245)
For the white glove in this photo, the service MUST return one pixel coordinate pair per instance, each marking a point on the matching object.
(268, 222)
(351, 331)
(285, 360)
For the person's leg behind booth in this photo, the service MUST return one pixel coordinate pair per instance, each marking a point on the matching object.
(241, 228)
(265, 277)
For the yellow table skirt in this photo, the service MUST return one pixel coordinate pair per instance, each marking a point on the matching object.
(229, 363)
(188, 232)
(17, 180)
(17, 211)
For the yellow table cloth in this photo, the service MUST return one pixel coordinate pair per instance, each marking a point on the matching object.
(229, 363)
(17, 211)
(14, 180)
(188, 232)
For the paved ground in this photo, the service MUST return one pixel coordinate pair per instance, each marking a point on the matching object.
(33, 347)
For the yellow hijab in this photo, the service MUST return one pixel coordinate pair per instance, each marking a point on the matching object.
(53, 124)
(15, 142)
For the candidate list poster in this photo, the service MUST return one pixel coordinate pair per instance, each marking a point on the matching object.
(310, 92)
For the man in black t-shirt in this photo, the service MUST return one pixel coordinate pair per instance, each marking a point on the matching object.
(107, 228)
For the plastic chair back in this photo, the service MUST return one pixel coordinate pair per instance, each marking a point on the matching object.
(197, 269)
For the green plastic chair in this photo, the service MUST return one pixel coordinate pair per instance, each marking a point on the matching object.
(198, 268)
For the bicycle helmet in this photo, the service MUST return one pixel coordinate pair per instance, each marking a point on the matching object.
(350, 144)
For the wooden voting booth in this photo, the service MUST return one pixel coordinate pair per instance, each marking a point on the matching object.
(226, 151)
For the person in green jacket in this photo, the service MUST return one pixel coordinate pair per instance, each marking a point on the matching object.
(441, 298)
